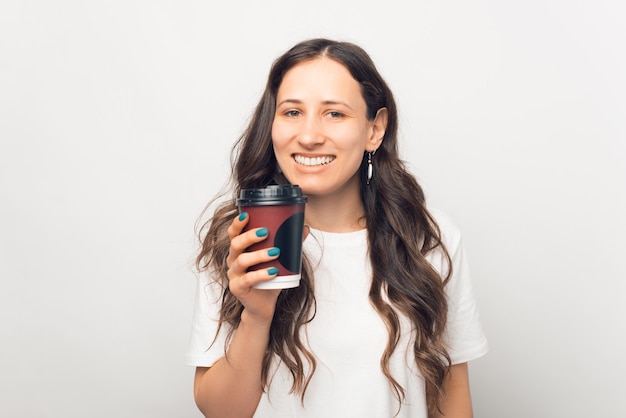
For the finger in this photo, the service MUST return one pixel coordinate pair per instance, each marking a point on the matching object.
(239, 241)
(244, 283)
(237, 225)
(246, 260)
(242, 241)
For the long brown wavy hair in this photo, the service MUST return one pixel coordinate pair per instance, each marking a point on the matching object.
(401, 232)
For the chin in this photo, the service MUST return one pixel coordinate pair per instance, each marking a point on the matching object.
(311, 189)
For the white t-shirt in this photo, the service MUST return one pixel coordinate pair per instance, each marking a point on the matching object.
(348, 336)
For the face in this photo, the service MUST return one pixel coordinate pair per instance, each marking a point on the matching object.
(320, 129)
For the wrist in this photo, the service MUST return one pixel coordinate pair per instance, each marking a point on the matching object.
(255, 321)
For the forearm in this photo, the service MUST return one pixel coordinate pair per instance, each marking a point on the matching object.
(456, 401)
(232, 386)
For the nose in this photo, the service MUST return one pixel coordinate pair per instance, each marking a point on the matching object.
(311, 132)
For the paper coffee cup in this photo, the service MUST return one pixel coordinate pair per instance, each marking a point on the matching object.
(280, 209)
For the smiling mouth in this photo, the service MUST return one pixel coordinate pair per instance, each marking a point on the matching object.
(313, 161)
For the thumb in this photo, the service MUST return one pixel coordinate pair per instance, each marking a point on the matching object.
(306, 231)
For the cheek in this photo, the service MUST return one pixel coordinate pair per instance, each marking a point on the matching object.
(279, 153)
(278, 146)
(355, 141)
(279, 135)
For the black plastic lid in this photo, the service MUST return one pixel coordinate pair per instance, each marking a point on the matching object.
(287, 194)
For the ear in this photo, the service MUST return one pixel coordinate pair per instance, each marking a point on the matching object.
(379, 126)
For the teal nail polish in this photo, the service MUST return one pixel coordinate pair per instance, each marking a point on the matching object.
(272, 271)
(261, 232)
(273, 251)
(242, 216)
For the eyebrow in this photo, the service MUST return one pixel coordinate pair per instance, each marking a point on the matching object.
(325, 102)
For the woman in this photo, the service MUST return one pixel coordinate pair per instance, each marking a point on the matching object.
(384, 320)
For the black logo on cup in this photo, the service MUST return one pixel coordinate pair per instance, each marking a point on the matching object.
(289, 239)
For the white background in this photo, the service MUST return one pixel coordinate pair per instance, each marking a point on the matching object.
(116, 119)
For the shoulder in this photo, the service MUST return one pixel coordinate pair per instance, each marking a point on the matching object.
(450, 231)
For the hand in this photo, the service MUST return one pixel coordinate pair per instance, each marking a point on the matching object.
(259, 304)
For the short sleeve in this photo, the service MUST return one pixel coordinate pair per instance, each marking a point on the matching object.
(464, 333)
(204, 347)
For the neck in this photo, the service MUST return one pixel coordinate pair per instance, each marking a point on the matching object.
(344, 213)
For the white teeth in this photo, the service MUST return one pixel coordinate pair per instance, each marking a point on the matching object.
(313, 161)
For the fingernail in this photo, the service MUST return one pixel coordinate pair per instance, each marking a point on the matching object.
(272, 271)
(261, 232)
(273, 251)
(242, 216)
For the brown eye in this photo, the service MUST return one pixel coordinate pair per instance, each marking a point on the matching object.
(335, 115)
(292, 113)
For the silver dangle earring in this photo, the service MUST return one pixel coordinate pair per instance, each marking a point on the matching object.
(370, 167)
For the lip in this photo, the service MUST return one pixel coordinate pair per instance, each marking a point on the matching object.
(305, 160)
